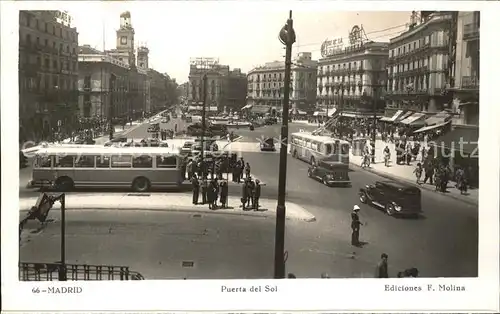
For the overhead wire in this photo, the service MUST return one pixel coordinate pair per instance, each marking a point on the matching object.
(368, 33)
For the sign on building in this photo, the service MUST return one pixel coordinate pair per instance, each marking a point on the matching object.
(330, 47)
(63, 17)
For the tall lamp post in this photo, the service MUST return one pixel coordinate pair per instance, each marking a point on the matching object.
(203, 123)
(287, 37)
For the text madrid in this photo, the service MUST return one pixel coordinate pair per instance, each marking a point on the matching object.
(64, 290)
(417, 288)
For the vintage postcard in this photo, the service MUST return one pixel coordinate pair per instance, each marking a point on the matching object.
(171, 151)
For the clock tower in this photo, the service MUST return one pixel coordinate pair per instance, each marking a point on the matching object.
(125, 37)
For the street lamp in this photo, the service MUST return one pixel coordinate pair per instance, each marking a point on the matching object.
(287, 38)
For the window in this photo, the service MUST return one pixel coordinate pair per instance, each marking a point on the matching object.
(121, 161)
(38, 40)
(46, 27)
(345, 149)
(64, 161)
(55, 65)
(143, 161)
(328, 149)
(46, 42)
(123, 40)
(166, 162)
(43, 162)
(102, 162)
(54, 45)
(84, 162)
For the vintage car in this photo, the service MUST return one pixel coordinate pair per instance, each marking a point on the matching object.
(395, 198)
(330, 173)
(154, 128)
(267, 145)
(189, 119)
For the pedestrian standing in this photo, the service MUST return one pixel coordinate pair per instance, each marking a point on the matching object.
(242, 167)
(382, 270)
(418, 172)
(244, 194)
(355, 226)
(251, 189)
(204, 190)
(247, 170)
(429, 170)
(387, 155)
(461, 181)
(189, 169)
(196, 189)
(256, 194)
(224, 191)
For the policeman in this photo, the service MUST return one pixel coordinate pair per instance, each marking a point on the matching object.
(196, 189)
(256, 195)
(355, 226)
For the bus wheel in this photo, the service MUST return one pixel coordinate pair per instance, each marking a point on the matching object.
(141, 184)
(313, 161)
(64, 184)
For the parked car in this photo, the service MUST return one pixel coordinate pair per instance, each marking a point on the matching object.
(154, 128)
(330, 173)
(186, 148)
(174, 115)
(267, 145)
(189, 119)
(116, 140)
(395, 198)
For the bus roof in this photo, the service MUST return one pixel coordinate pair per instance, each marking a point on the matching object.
(309, 135)
(102, 150)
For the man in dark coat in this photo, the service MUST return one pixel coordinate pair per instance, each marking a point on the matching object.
(224, 191)
(382, 270)
(251, 189)
(244, 194)
(242, 167)
(204, 190)
(213, 194)
(196, 189)
(256, 195)
(355, 226)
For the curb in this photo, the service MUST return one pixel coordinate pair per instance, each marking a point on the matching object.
(395, 177)
(181, 209)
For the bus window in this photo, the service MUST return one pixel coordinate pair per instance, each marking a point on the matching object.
(64, 162)
(102, 162)
(336, 149)
(84, 162)
(43, 162)
(143, 161)
(345, 149)
(328, 149)
(166, 162)
(121, 161)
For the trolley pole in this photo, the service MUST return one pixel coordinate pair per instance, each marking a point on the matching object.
(287, 37)
(203, 124)
(62, 269)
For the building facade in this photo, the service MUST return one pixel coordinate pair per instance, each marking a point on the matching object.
(266, 83)
(234, 90)
(103, 84)
(353, 78)
(48, 74)
(216, 80)
(419, 64)
(466, 89)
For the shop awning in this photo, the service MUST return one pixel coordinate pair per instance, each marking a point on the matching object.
(467, 136)
(415, 118)
(247, 107)
(438, 118)
(403, 116)
(261, 109)
(431, 127)
(393, 118)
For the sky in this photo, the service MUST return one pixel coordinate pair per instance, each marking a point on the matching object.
(239, 36)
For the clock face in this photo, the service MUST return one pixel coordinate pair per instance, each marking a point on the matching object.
(123, 40)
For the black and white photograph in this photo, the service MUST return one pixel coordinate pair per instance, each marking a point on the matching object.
(181, 143)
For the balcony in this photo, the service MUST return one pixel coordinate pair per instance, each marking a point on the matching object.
(470, 82)
(470, 31)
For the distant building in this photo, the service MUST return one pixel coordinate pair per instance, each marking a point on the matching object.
(266, 84)
(466, 89)
(234, 90)
(216, 75)
(352, 77)
(103, 84)
(48, 74)
(418, 65)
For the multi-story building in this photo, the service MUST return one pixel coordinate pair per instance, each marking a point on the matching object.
(125, 41)
(234, 90)
(159, 90)
(48, 74)
(418, 65)
(216, 78)
(103, 84)
(353, 78)
(266, 83)
(466, 89)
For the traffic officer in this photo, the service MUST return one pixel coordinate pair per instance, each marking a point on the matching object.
(256, 194)
(196, 189)
(355, 226)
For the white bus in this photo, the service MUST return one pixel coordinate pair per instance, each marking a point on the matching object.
(313, 148)
(139, 168)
